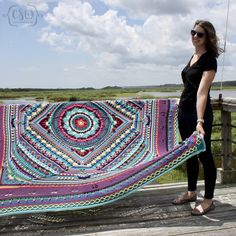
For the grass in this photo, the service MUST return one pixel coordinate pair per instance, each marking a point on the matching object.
(176, 175)
(86, 94)
(214, 87)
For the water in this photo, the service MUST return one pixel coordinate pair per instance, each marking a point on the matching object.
(214, 94)
(225, 93)
(20, 101)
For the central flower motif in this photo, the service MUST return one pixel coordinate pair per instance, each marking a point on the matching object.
(80, 123)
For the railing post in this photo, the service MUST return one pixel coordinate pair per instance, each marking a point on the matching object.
(226, 174)
(226, 134)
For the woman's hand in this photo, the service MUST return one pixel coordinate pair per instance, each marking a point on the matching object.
(200, 129)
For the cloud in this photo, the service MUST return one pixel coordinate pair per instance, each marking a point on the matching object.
(60, 41)
(113, 41)
(143, 9)
(40, 5)
(160, 40)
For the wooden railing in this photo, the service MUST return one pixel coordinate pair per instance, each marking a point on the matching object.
(227, 172)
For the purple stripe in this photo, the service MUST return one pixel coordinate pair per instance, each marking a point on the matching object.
(163, 107)
(2, 136)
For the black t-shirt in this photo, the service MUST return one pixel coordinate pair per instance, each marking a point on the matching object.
(191, 76)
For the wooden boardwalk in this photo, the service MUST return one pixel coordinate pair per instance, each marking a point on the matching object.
(148, 212)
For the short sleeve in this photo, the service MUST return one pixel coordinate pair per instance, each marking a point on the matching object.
(209, 63)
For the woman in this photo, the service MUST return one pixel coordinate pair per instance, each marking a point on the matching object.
(195, 112)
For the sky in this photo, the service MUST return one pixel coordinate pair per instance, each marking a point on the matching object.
(99, 43)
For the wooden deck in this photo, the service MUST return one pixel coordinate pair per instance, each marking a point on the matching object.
(148, 212)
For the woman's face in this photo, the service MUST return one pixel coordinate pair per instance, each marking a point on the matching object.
(198, 36)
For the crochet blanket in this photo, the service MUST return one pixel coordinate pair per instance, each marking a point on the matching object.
(75, 155)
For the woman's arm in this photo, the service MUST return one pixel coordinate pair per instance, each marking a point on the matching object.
(202, 94)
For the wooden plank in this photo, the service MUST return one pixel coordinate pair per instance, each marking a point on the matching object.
(171, 231)
(149, 211)
(229, 104)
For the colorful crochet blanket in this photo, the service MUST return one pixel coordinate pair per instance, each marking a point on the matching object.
(64, 156)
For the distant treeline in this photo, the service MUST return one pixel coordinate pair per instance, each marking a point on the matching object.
(225, 83)
(56, 89)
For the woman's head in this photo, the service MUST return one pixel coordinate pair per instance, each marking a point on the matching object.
(209, 36)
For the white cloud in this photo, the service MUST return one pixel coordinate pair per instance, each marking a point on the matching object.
(163, 33)
(143, 8)
(40, 5)
(61, 41)
(113, 41)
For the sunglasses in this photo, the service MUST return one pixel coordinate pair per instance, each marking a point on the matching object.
(199, 34)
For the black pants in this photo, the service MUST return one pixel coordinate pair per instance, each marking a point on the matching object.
(187, 124)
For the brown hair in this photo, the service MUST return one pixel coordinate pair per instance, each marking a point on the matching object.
(211, 37)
